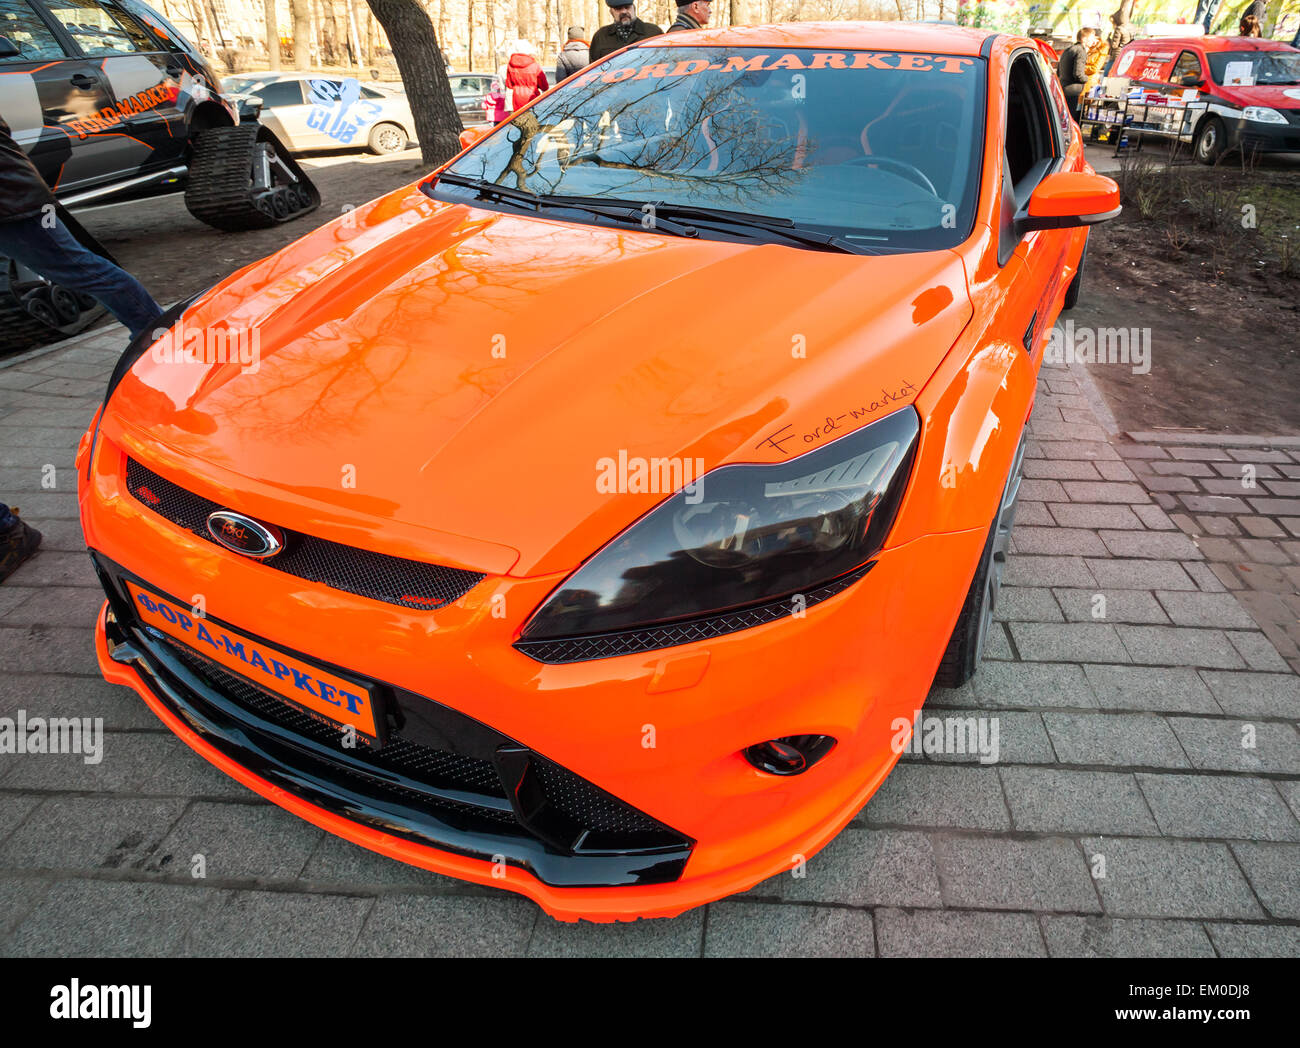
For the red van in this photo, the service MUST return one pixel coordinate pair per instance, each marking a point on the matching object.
(1249, 89)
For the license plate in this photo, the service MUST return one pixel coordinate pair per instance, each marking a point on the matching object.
(324, 695)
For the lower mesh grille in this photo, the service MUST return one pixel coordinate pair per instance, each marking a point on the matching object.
(436, 768)
(394, 580)
(630, 642)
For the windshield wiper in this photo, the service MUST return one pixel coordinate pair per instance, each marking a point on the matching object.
(663, 214)
(784, 227)
(622, 211)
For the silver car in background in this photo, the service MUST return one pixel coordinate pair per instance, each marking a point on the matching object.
(319, 111)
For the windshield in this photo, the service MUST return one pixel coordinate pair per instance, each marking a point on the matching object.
(1247, 68)
(876, 147)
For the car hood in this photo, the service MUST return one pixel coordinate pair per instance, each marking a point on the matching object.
(1275, 96)
(425, 367)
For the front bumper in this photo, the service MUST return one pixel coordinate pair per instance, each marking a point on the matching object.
(663, 732)
(1253, 136)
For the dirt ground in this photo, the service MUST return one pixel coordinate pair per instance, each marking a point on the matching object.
(174, 254)
(1224, 322)
(1221, 300)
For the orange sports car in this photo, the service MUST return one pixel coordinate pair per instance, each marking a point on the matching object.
(580, 519)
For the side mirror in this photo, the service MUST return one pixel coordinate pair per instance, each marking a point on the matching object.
(1068, 199)
(8, 49)
(472, 134)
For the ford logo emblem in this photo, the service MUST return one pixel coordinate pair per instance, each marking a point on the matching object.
(244, 534)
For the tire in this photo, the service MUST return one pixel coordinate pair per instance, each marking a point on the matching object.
(22, 330)
(1211, 141)
(966, 645)
(1076, 285)
(387, 138)
(222, 189)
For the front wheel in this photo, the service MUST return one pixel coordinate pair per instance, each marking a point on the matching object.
(387, 138)
(966, 645)
(1211, 141)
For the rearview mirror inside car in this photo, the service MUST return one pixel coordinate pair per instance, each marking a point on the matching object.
(1192, 80)
(1070, 198)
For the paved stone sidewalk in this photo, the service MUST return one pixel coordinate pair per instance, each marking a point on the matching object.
(1139, 676)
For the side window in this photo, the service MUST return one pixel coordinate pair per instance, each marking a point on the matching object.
(96, 31)
(279, 93)
(370, 92)
(1188, 64)
(1060, 108)
(33, 38)
(1031, 143)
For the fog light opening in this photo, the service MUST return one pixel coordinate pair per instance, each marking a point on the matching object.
(792, 755)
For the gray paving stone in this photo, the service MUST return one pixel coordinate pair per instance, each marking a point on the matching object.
(1115, 471)
(1094, 515)
(1024, 570)
(1274, 872)
(1136, 574)
(930, 794)
(18, 897)
(745, 929)
(14, 808)
(337, 863)
(497, 925)
(1205, 609)
(1027, 604)
(1068, 642)
(1127, 739)
(1154, 517)
(73, 606)
(955, 934)
(1167, 689)
(1066, 542)
(1233, 807)
(1221, 745)
(1179, 646)
(1215, 504)
(1257, 653)
(1004, 874)
(1255, 940)
(1104, 491)
(1199, 454)
(1060, 469)
(1121, 605)
(1276, 507)
(1050, 800)
(1043, 491)
(1142, 451)
(1078, 450)
(1021, 738)
(1255, 694)
(76, 833)
(1154, 545)
(50, 568)
(1157, 878)
(996, 645)
(238, 841)
(1182, 469)
(1124, 937)
(1204, 577)
(863, 868)
(278, 924)
(44, 649)
(46, 695)
(92, 918)
(1031, 684)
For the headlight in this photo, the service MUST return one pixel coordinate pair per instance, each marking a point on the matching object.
(1263, 115)
(747, 535)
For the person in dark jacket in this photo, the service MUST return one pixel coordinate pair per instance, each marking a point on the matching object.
(573, 55)
(1072, 69)
(624, 30)
(525, 78)
(31, 233)
(692, 14)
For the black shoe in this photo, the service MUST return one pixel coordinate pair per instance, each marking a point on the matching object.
(16, 545)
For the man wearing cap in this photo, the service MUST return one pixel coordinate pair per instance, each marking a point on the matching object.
(692, 14)
(625, 29)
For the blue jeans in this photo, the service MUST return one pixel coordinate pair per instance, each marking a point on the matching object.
(61, 258)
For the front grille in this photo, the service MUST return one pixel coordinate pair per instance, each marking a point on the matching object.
(438, 769)
(630, 642)
(441, 778)
(394, 580)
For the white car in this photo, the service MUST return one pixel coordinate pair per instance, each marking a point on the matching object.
(314, 111)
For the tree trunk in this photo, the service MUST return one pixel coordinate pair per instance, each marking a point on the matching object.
(424, 73)
(737, 13)
(298, 11)
(272, 34)
(357, 52)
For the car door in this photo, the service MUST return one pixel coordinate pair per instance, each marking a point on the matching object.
(59, 105)
(1035, 264)
(284, 111)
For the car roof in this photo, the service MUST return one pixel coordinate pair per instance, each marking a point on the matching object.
(866, 36)
(1214, 43)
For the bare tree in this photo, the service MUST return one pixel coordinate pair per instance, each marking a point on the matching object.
(300, 10)
(272, 34)
(424, 73)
